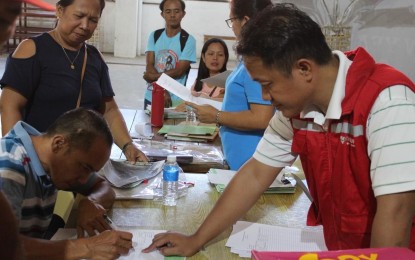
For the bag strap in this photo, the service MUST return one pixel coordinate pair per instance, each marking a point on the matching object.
(78, 102)
(183, 37)
(157, 34)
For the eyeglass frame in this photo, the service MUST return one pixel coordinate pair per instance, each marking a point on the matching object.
(229, 22)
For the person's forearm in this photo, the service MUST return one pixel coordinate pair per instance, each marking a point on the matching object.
(246, 120)
(150, 76)
(118, 127)
(392, 224)
(175, 73)
(236, 200)
(9, 118)
(46, 249)
(102, 194)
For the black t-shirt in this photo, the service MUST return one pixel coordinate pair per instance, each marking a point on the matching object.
(49, 84)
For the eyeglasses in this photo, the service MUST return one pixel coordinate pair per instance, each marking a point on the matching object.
(229, 21)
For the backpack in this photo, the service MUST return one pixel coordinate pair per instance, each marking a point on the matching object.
(183, 39)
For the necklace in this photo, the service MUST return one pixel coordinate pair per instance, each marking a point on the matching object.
(70, 61)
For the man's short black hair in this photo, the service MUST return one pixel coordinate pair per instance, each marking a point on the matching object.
(287, 34)
(161, 6)
(81, 127)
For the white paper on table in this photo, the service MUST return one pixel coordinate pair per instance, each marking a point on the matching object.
(220, 176)
(184, 93)
(218, 80)
(261, 237)
(141, 239)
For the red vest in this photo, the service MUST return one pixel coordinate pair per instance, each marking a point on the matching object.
(335, 161)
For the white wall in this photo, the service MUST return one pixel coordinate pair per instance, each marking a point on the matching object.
(387, 31)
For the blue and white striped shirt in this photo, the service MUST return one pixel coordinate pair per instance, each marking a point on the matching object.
(24, 182)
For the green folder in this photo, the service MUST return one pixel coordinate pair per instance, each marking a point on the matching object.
(187, 129)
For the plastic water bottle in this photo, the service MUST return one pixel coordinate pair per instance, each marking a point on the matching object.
(191, 118)
(170, 181)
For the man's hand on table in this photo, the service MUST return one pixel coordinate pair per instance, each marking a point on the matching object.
(133, 154)
(171, 243)
(107, 245)
(90, 218)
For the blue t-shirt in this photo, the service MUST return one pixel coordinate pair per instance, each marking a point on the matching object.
(167, 53)
(240, 92)
(49, 84)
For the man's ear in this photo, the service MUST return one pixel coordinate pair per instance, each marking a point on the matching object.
(58, 143)
(303, 68)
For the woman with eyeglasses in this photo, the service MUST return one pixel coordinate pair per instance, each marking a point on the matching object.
(244, 114)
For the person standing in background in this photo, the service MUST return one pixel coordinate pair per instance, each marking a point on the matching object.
(170, 50)
(57, 71)
(244, 115)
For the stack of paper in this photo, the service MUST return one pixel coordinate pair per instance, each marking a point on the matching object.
(247, 236)
(193, 133)
(220, 178)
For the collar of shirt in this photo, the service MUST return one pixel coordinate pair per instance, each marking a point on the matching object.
(23, 131)
(334, 109)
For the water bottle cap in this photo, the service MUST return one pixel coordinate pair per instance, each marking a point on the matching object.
(171, 158)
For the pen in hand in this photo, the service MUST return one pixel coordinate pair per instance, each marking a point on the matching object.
(110, 222)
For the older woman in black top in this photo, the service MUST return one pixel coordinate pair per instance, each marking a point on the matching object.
(57, 71)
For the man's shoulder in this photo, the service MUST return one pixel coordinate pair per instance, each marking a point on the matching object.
(13, 155)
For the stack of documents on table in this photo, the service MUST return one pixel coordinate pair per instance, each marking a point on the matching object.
(142, 238)
(247, 236)
(192, 133)
(199, 154)
(123, 174)
(220, 178)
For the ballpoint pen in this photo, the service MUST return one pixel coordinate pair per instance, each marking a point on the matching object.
(110, 222)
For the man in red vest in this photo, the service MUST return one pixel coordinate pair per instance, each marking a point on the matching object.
(351, 121)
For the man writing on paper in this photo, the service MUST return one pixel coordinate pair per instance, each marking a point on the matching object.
(170, 50)
(34, 165)
(341, 112)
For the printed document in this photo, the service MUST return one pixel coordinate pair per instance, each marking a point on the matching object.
(184, 93)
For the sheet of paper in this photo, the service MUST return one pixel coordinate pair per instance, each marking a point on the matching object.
(218, 80)
(184, 93)
(248, 236)
(141, 239)
(220, 176)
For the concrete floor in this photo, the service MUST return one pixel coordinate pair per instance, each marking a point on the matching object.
(126, 78)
